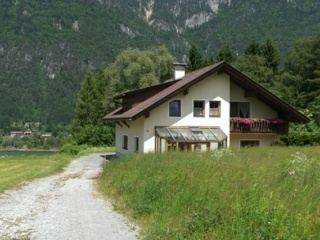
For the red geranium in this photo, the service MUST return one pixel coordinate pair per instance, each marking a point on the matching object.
(250, 121)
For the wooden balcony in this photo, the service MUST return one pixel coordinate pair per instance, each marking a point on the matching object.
(257, 125)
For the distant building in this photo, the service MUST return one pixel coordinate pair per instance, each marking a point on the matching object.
(45, 136)
(16, 133)
(27, 133)
(20, 133)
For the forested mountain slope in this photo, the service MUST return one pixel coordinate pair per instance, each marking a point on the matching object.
(45, 46)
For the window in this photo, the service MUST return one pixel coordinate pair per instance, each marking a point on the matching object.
(240, 109)
(198, 108)
(214, 109)
(249, 143)
(175, 108)
(125, 142)
(136, 144)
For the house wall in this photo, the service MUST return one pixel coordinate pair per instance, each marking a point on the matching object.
(257, 110)
(136, 130)
(265, 139)
(215, 87)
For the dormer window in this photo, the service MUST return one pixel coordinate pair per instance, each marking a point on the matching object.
(175, 108)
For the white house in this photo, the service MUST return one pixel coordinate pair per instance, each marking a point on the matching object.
(216, 106)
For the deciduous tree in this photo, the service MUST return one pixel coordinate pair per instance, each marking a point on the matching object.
(135, 69)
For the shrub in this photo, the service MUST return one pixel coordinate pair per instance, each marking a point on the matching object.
(6, 142)
(95, 135)
(302, 139)
(70, 149)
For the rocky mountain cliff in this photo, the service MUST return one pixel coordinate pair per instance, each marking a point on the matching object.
(45, 46)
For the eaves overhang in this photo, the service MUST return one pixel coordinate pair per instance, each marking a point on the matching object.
(265, 95)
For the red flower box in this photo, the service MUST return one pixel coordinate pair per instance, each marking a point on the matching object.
(250, 121)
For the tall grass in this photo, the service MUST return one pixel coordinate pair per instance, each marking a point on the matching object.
(253, 193)
(15, 170)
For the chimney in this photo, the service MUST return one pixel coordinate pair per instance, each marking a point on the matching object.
(179, 70)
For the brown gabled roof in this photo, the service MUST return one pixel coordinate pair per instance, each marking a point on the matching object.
(160, 86)
(192, 78)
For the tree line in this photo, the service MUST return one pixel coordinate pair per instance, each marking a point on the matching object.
(40, 138)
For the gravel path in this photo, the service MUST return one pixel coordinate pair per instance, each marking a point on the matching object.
(64, 206)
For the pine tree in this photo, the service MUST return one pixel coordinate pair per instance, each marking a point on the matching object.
(226, 54)
(272, 55)
(300, 69)
(88, 101)
(254, 66)
(87, 126)
(195, 59)
(253, 48)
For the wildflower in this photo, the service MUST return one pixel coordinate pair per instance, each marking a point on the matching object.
(299, 163)
(298, 157)
(292, 172)
(222, 152)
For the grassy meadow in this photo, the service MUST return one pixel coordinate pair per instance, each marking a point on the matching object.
(251, 193)
(15, 170)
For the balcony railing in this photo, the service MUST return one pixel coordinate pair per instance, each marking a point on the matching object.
(258, 125)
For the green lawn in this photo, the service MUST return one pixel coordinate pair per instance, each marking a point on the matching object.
(15, 170)
(252, 193)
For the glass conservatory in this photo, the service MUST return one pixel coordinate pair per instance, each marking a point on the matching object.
(189, 138)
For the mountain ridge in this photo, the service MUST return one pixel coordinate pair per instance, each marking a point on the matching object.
(45, 47)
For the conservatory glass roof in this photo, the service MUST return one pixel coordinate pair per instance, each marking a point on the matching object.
(191, 134)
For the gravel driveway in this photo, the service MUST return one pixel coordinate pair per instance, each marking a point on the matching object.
(64, 206)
